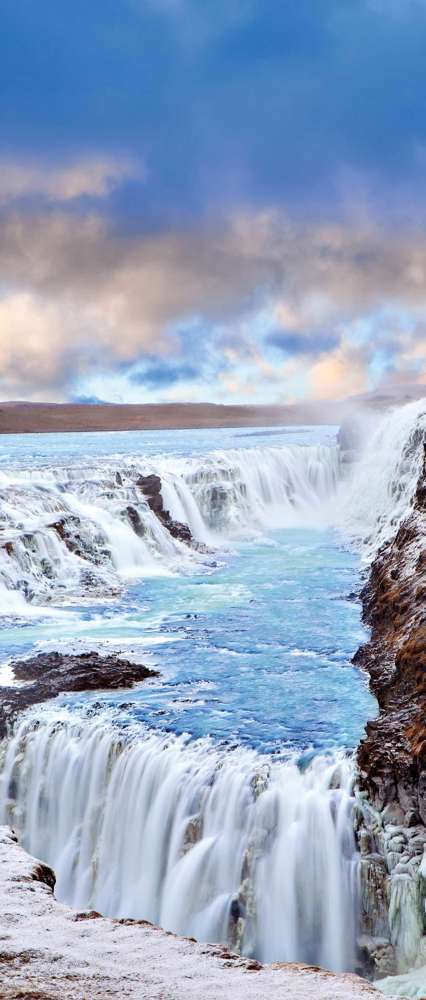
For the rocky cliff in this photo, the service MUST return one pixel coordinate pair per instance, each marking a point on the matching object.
(392, 757)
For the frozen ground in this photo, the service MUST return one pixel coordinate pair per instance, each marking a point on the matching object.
(49, 951)
(409, 984)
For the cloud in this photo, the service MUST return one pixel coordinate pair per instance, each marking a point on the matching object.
(79, 298)
(164, 374)
(343, 373)
(292, 342)
(40, 349)
(229, 102)
(26, 328)
(92, 177)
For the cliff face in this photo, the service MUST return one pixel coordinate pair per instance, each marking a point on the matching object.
(392, 757)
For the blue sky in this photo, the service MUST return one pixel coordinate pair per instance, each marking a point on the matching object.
(219, 201)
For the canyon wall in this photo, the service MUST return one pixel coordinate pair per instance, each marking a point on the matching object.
(391, 817)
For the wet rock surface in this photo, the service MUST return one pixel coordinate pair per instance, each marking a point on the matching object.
(68, 528)
(392, 757)
(50, 548)
(50, 674)
(151, 489)
(133, 517)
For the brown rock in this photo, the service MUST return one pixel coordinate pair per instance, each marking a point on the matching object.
(51, 674)
(151, 488)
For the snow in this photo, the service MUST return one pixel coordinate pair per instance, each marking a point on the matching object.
(50, 951)
(411, 984)
(7, 676)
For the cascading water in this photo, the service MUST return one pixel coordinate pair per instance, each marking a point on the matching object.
(239, 488)
(382, 483)
(214, 840)
(225, 846)
(69, 531)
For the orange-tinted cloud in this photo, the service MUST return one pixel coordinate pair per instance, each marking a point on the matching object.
(78, 298)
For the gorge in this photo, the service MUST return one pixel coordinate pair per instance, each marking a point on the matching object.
(232, 797)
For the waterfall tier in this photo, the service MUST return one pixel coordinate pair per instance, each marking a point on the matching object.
(75, 531)
(224, 846)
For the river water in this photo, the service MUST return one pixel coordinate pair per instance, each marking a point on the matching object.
(217, 799)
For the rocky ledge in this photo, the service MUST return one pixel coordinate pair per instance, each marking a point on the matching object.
(50, 674)
(392, 757)
(151, 487)
(49, 951)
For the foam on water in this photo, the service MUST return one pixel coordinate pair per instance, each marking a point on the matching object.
(211, 837)
(68, 531)
(382, 483)
(222, 846)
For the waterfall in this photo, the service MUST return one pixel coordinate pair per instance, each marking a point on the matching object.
(220, 844)
(257, 486)
(71, 532)
(378, 494)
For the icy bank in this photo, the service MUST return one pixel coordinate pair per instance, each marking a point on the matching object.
(218, 844)
(48, 951)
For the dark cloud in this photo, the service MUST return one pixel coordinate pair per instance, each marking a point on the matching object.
(298, 127)
(309, 104)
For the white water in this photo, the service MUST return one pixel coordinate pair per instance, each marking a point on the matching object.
(217, 495)
(157, 829)
(382, 484)
(186, 836)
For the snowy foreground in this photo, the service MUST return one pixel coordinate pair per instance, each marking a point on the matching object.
(48, 950)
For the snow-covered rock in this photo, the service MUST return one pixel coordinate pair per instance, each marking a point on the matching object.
(411, 984)
(49, 951)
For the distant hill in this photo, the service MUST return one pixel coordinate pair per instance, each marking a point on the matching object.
(22, 418)
(19, 417)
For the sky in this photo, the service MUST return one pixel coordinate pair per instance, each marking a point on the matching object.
(220, 201)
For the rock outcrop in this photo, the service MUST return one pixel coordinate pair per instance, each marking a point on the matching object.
(49, 951)
(50, 674)
(392, 757)
(132, 516)
(151, 489)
